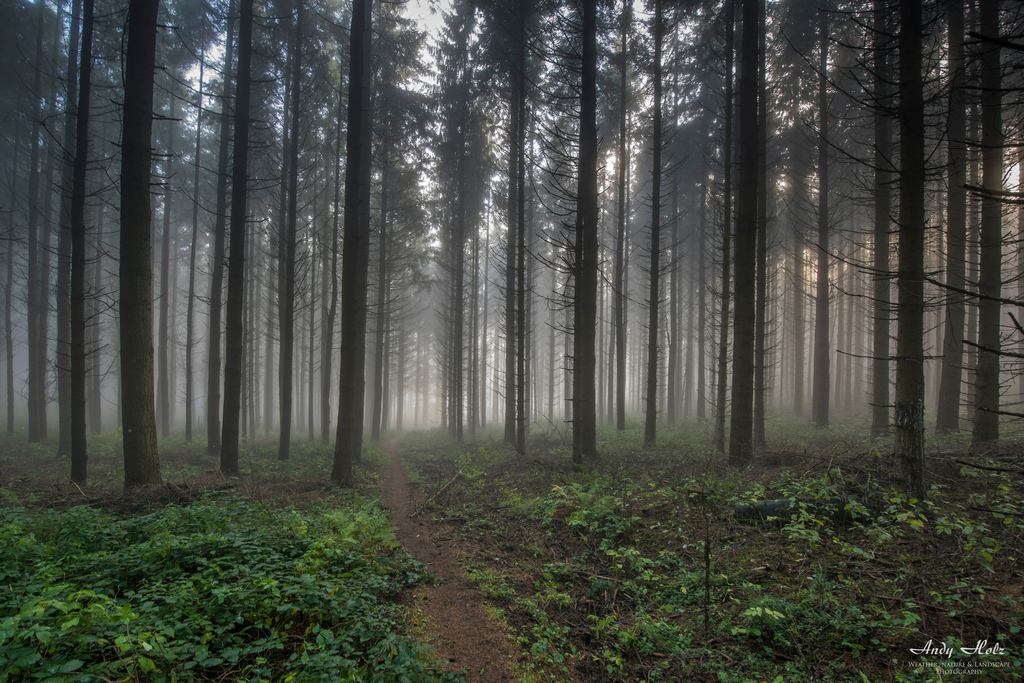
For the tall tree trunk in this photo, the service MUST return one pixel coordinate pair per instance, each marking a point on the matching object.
(584, 398)
(163, 388)
(95, 400)
(36, 361)
(723, 329)
(651, 415)
(674, 375)
(883, 207)
(621, 218)
(77, 331)
(986, 395)
(741, 423)
(236, 249)
(327, 334)
(190, 306)
(483, 334)
(141, 462)
(951, 379)
(702, 311)
(521, 284)
(311, 342)
(909, 396)
(355, 252)
(378, 347)
(286, 305)
(251, 339)
(760, 385)
(8, 331)
(213, 396)
(514, 152)
(63, 305)
(822, 355)
(474, 337)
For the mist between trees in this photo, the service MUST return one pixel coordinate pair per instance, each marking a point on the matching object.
(317, 219)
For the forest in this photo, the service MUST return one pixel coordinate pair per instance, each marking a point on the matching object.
(512, 340)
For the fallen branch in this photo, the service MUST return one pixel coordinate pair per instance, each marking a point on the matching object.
(986, 467)
(436, 494)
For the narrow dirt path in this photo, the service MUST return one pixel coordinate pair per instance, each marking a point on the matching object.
(460, 630)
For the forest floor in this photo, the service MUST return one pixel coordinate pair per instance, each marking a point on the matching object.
(636, 566)
(472, 562)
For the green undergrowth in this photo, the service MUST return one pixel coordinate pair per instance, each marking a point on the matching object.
(635, 567)
(219, 589)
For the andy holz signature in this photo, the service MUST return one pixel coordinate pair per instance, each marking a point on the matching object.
(980, 648)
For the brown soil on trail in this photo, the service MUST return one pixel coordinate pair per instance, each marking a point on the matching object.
(456, 623)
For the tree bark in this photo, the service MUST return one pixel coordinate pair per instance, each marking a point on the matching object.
(378, 347)
(286, 302)
(327, 334)
(822, 354)
(951, 379)
(986, 394)
(190, 306)
(882, 221)
(236, 249)
(723, 330)
(584, 404)
(36, 360)
(741, 423)
(651, 415)
(77, 331)
(213, 395)
(63, 305)
(355, 251)
(141, 462)
(163, 388)
(620, 232)
(909, 396)
(760, 385)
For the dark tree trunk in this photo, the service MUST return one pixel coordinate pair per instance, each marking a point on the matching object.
(378, 347)
(483, 334)
(327, 334)
(584, 401)
(521, 310)
(702, 310)
(883, 207)
(760, 385)
(951, 379)
(674, 375)
(213, 397)
(741, 422)
(909, 396)
(822, 354)
(95, 399)
(620, 232)
(190, 306)
(514, 152)
(63, 305)
(723, 330)
(355, 251)
(9, 333)
(141, 462)
(163, 388)
(79, 454)
(236, 249)
(286, 302)
(986, 394)
(651, 415)
(36, 359)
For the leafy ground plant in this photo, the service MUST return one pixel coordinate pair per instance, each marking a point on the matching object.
(221, 589)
